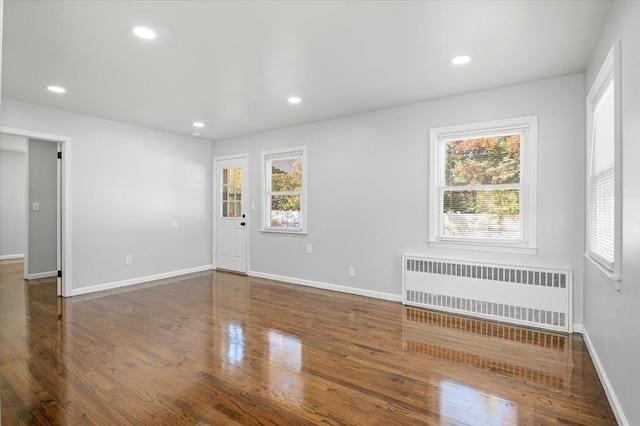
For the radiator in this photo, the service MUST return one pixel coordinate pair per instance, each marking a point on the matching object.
(520, 295)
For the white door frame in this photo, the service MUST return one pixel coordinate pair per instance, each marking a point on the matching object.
(245, 179)
(64, 199)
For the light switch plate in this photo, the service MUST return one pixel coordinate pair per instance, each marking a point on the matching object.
(36, 206)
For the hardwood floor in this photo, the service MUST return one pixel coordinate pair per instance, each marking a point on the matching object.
(215, 348)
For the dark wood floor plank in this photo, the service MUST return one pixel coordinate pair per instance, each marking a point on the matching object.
(216, 348)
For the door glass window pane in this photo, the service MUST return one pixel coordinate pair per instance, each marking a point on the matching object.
(231, 189)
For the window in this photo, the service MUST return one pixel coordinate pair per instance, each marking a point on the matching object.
(284, 190)
(603, 210)
(231, 202)
(482, 184)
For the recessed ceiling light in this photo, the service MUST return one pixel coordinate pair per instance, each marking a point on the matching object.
(56, 89)
(294, 100)
(144, 32)
(198, 124)
(195, 134)
(461, 59)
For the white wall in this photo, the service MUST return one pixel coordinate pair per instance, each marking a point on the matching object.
(1, 32)
(612, 318)
(368, 187)
(43, 189)
(12, 201)
(128, 184)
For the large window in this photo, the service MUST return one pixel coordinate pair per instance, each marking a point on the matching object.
(603, 211)
(284, 190)
(483, 185)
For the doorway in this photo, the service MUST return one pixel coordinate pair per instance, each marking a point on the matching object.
(47, 207)
(42, 236)
(230, 215)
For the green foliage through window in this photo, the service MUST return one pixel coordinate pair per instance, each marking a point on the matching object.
(484, 161)
(285, 193)
(231, 192)
(474, 211)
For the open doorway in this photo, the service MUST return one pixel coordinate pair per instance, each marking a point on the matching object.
(42, 250)
(38, 179)
(30, 192)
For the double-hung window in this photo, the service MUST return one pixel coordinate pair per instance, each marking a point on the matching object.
(603, 210)
(482, 185)
(284, 183)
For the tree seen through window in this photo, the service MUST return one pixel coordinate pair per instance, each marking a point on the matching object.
(481, 198)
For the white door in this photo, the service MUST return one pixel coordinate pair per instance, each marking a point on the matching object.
(230, 213)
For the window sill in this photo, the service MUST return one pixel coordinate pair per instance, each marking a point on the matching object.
(458, 245)
(613, 279)
(284, 231)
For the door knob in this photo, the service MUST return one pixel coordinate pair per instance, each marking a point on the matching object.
(242, 224)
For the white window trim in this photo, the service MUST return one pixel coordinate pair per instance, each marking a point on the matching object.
(610, 69)
(528, 174)
(283, 153)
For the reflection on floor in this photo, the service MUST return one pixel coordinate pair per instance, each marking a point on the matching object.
(435, 334)
(477, 407)
(215, 348)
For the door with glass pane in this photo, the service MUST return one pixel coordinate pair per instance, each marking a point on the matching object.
(230, 213)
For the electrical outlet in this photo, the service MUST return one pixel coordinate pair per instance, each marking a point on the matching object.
(352, 271)
(309, 249)
(128, 259)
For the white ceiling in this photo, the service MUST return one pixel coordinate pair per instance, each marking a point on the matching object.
(232, 65)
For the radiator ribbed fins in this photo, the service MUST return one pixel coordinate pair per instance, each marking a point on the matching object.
(517, 294)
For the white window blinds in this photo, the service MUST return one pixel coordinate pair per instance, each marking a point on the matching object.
(602, 226)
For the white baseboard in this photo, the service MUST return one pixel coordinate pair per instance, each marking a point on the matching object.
(12, 256)
(608, 389)
(577, 328)
(327, 286)
(139, 280)
(42, 275)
